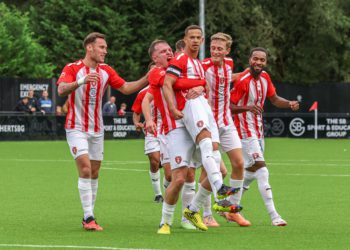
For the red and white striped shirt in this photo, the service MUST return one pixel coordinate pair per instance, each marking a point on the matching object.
(219, 79)
(85, 103)
(248, 91)
(188, 73)
(156, 81)
(137, 108)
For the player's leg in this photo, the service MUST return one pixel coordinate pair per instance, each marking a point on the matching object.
(208, 218)
(187, 194)
(152, 150)
(78, 144)
(155, 175)
(170, 199)
(96, 148)
(180, 150)
(165, 160)
(262, 177)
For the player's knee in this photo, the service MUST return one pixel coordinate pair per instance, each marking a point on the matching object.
(179, 181)
(154, 163)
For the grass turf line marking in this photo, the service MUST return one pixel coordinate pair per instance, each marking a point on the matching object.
(75, 247)
(320, 175)
(126, 169)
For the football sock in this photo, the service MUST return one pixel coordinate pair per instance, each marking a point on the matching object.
(155, 178)
(206, 206)
(262, 176)
(187, 194)
(249, 177)
(84, 186)
(199, 199)
(166, 183)
(236, 198)
(217, 158)
(167, 213)
(209, 164)
(94, 187)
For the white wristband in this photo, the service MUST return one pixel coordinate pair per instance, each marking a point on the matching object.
(81, 81)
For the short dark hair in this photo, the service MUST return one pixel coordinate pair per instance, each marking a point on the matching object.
(152, 47)
(91, 38)
(193, 27)
(258, 49)
(179, 45)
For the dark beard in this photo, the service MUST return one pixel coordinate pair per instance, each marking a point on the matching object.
(255, 74)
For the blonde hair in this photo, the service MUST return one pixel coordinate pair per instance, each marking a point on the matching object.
(223, 37)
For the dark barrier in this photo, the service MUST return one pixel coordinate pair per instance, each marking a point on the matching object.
(302, 125)
(50, 127)
(296, 125)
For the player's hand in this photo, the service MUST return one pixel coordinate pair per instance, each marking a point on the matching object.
(150, 127)
(177, 114)
(294, 105)
(139, 126)
(195, 92)
(255, 109)
(92, 77)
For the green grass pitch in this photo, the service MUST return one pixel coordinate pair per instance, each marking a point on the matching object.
(40, 207)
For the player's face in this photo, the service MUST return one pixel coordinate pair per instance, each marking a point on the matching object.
(98, 50)
(218, 51)
(193, 39)
(162, 54)
(257, 62)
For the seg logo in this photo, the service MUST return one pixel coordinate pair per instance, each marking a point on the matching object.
(277, 127)
(296, 127)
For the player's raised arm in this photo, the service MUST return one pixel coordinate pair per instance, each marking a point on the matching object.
(131, 87)
(280, 102)
(169, 95)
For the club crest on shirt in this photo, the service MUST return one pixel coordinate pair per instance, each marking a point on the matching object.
(200, 124)
(178, 159)
(74, 150)
(93, 92)
(255, 155)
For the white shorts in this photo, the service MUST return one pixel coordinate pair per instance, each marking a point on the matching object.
(253, 150)
(198, 116)
(81, 143)
(152, 144)
(181, 148)
(229, 138)
(164, 151)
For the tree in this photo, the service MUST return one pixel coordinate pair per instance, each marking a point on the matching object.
(21, 55)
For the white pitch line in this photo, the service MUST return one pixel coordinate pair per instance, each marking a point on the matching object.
(126, 169)
(75, 247)
(319, 175)
(320, 164)
(51, 160)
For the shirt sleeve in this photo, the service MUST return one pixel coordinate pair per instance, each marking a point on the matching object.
(175, 67)
(137, 106)
(67, 75)
(237, 92)
(114, 79)
(271, 90)
(156, 78)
